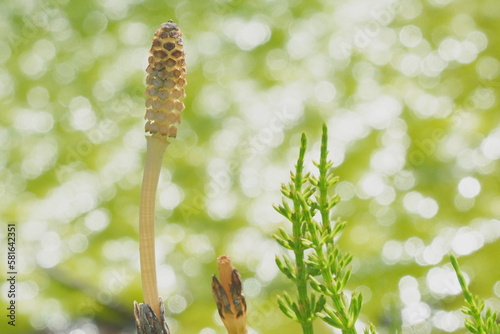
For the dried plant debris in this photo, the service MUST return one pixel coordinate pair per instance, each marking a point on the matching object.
(146, 320)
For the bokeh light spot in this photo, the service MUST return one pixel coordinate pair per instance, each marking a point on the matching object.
(207, 331)
(443, 281)
(410, 36)
(171, 196)
(325, 91)
(426, 207)
(488, 68)
(252, 287)
(33, 121)
(469, 187)
(78, 243)
(467, 241)
(392, 251)
(38, 97)
(177, 304)
(95, 22)
(97, 220)
(448, 321)
(248, 35)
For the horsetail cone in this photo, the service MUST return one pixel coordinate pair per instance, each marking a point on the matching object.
(165, 82)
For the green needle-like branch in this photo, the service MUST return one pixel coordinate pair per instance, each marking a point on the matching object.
(302, 310)
(476, 323)
(318, 262)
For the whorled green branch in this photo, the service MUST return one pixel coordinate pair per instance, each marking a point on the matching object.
(480, 321)
(320, 270)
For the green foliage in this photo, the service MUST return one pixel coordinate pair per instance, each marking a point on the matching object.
(409, 90)
(320, 269)
(480, 321)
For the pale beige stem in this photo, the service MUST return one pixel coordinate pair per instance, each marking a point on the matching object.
(225, 268)
(154, 156)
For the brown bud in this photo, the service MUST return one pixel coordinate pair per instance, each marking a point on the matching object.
(165, 81)
(228, 296)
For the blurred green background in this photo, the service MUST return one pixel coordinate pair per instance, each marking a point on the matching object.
(408, 89)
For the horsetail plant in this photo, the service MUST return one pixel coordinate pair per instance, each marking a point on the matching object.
(478, 322)
(165, 81)
(320, 269)
(228, 296)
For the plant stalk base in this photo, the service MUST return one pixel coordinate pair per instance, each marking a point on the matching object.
(146, 320)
